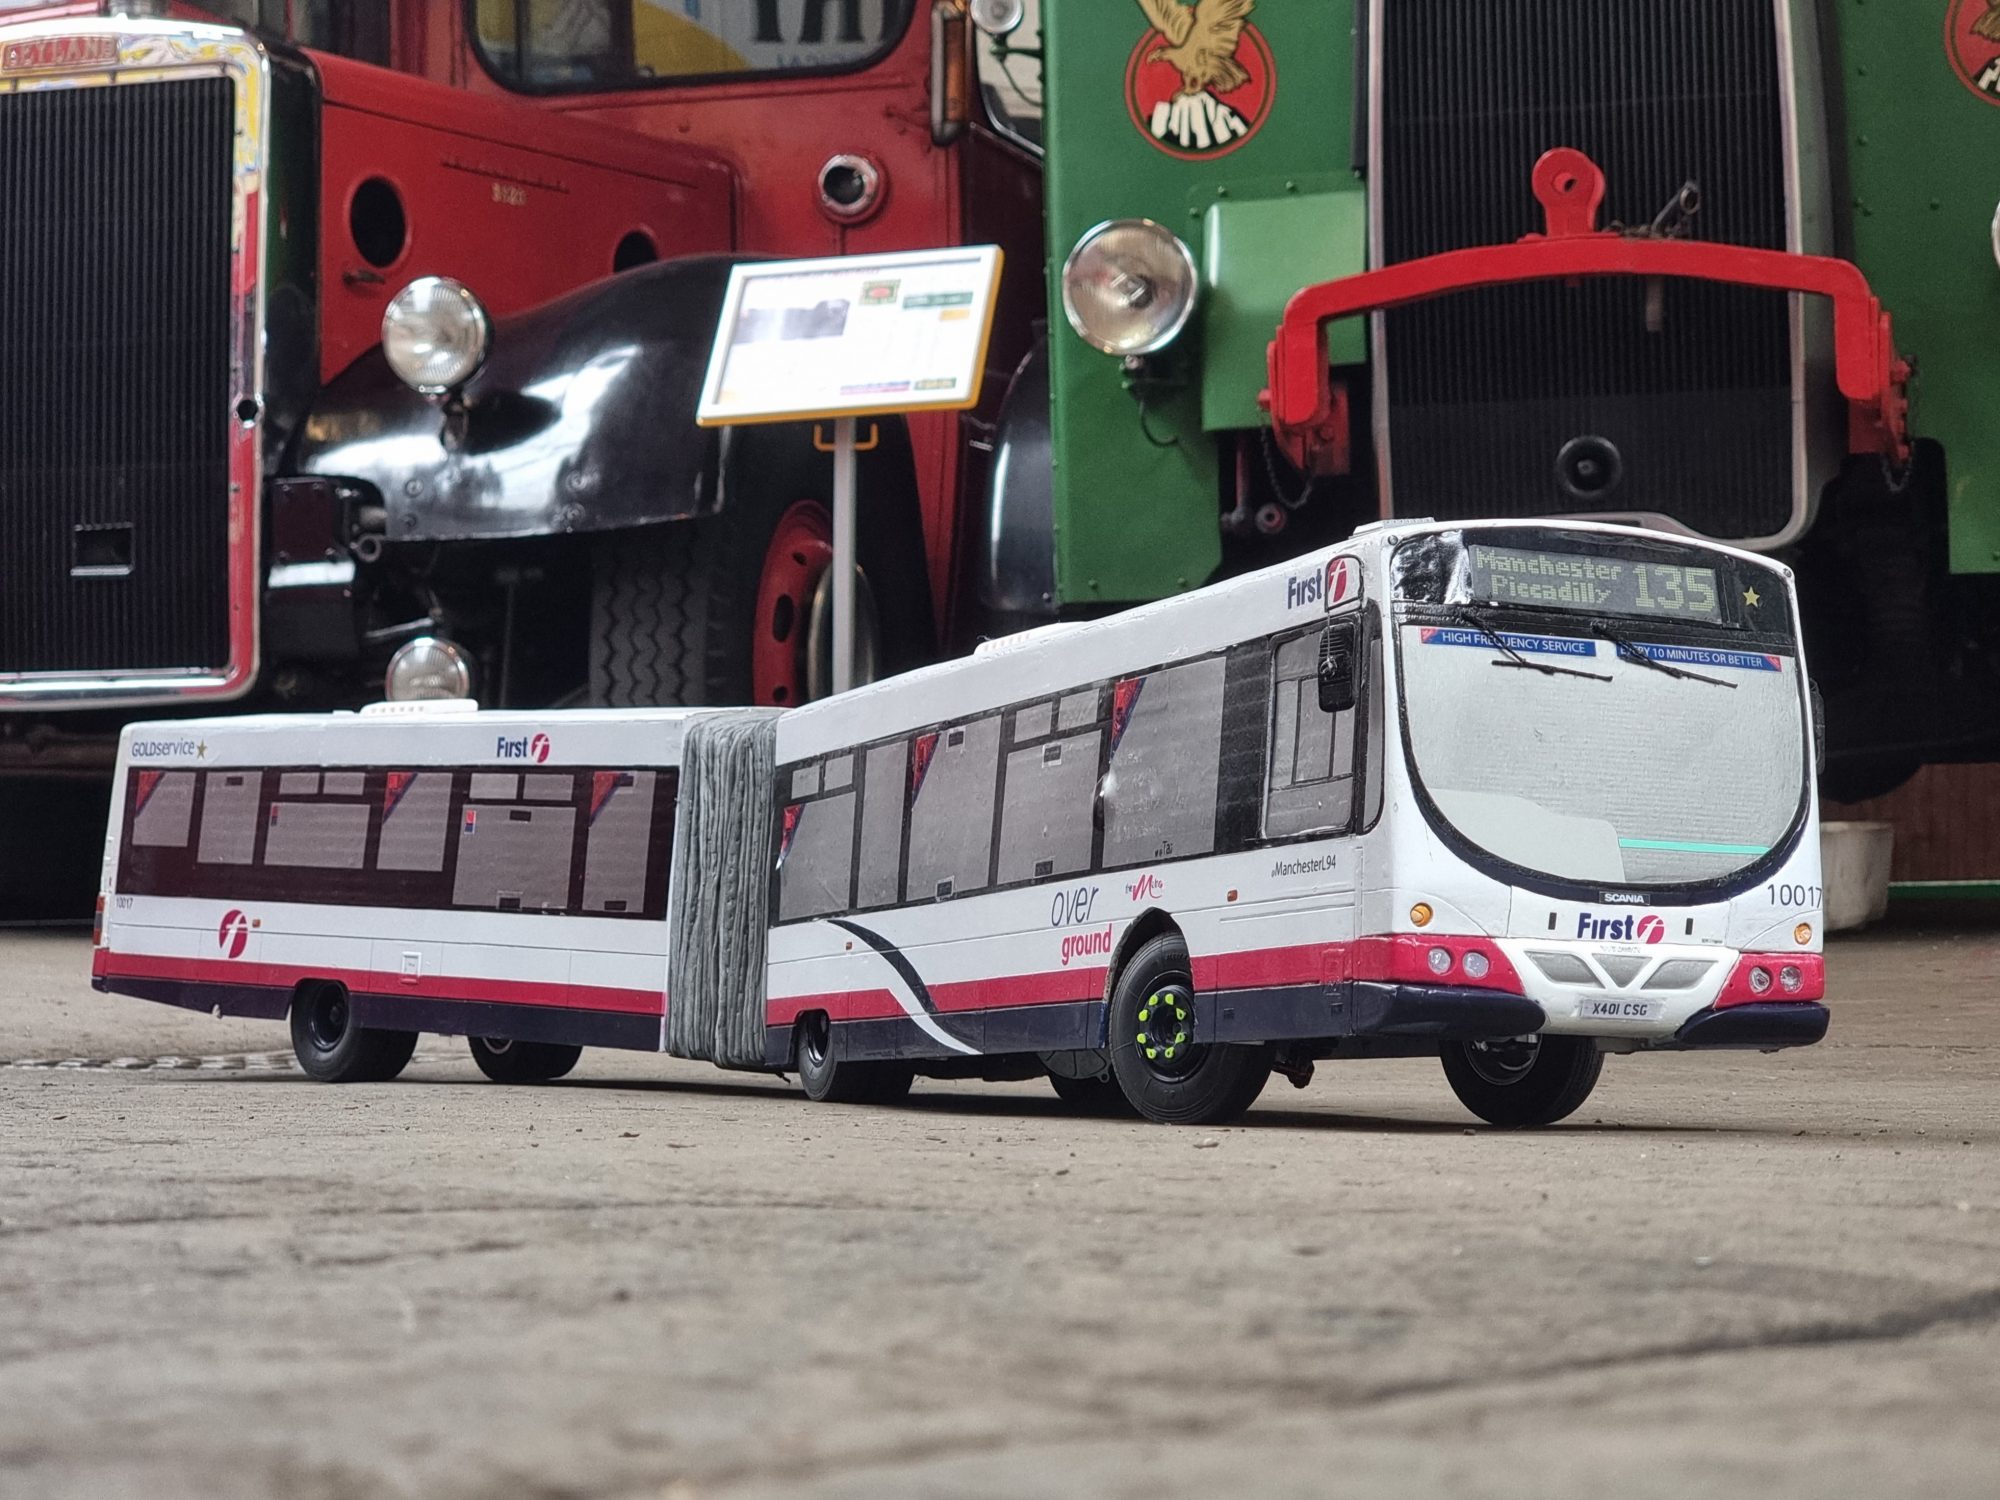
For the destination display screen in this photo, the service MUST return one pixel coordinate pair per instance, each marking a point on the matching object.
(1602, 585)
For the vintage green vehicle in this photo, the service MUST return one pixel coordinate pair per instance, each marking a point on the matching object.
(1205, 164)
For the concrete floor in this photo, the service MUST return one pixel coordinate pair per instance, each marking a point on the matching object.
(1727, 1275)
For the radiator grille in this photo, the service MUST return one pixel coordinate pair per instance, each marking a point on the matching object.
(115, 377)
(1486, 387)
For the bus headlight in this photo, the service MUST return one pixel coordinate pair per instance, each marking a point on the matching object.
(1129, 287)
(1760, 980)
(435, 335)
(1789, 979)
(1476, 965)
(1440, 960)
(428, 668)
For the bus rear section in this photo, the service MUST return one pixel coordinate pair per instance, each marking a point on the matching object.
(373, 876)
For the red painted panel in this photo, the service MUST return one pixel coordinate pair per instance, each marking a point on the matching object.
(518, 205)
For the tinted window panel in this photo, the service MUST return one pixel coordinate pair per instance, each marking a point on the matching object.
(1045, 828)
(416, 815)
(815, 874)
(1160, 792)
(621, 832)
(230, 801)
(298, 784)
(880, 876)
(318, 835)
(951, 816)
(514, 858)
(495, 786)
(344, 783)
(166, 808)
(548, 787)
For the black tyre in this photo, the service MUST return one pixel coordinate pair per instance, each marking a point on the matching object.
(507, 1061)
(333, 1047)
(1165, 1075)
(721, 610)
(1533, 1080)
(829, 1082)
(1091, 1096)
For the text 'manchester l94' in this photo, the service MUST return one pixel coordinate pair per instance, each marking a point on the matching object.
(1517, 795)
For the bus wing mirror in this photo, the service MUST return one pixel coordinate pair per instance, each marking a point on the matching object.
(1337, 687)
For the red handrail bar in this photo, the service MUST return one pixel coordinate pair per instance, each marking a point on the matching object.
(1309, 414)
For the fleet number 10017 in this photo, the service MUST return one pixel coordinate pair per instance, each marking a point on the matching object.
(1794, 895)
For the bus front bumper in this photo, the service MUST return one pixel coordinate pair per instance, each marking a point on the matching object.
(1764, 1027)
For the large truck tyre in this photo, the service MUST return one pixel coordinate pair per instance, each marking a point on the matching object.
(722, 610)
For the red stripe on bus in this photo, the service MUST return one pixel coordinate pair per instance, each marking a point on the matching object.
(388, 986)
(1003, 993)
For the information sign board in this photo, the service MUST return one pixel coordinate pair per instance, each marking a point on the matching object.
(852, 335)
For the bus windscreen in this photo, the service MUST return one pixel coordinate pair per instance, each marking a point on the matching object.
(1548, 579)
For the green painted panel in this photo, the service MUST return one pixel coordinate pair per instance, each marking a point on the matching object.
(1136, 519)
(1256, 252)
(1923, 153)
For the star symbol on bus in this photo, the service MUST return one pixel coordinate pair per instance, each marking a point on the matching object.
(201, 750)
(1750, 597)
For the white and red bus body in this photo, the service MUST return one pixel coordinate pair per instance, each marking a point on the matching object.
(968, 853)
(494, 874)
(1525, 819)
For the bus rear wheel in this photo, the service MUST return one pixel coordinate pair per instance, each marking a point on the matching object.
(332, 1047)
(827, 1081)
(1529, 1080)
(506, 1061)
(1165, 1075)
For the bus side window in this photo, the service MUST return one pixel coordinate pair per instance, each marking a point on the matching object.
(1045, 821)
(1310, 786)
(621, 832)
(1159, 794)
(885, 780)
(513, 858)
(317, 835)
(416, 815)
(951, 810)
(816, 857)
(163, 808)
(229, 804)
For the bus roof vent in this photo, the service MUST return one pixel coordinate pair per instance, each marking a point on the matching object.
(1000, 645)
(421, 708)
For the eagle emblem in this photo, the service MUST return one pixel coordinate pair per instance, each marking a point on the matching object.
(1201, 79)
(1972, 37)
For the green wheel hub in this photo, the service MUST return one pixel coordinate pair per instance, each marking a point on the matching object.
(1164, 1036)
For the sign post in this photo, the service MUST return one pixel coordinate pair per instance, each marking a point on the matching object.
(847, 337)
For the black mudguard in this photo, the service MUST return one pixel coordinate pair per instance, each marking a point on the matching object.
(1017, 541)
(582, 419)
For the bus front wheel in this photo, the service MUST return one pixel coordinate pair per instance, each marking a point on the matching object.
(827, 1081)
(1530, 1080)
(1166, 1076)
(507, 1061)
(333, 1047)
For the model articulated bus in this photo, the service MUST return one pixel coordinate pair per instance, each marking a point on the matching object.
(1517, 794)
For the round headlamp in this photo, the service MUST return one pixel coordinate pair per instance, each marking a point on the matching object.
(428, 668)
(998, 17)
(435, 334)
(1129, 287)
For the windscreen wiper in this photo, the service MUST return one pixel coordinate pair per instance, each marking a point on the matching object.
(1629, 651)
(1514, 658)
